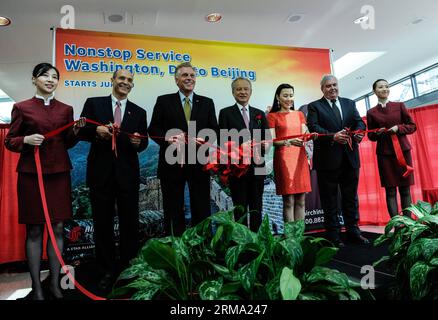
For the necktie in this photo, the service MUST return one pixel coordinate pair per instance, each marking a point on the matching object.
(336, 112)
(187, 109)
(245, 117)
(118, 114)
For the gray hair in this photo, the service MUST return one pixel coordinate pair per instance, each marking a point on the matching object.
(327, 77)
(182, 65)
(237, 79)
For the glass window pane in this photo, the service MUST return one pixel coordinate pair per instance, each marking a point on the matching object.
(373, 101)
(401, 91)
(361, 107)
(427, 81)
(5, 112)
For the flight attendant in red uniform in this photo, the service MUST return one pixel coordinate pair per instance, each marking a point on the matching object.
(31, 119)
(395, 117)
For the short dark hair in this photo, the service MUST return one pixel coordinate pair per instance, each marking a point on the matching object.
(375, 83)
(275, 105)
(42, 68)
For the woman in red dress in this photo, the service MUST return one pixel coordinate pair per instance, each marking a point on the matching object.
(291, 169)
(395, 117)
(30, 120)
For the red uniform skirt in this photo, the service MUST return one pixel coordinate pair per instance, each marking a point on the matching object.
(58, 195)
(391, 173)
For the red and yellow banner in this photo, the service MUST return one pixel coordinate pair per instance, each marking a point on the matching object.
(87, 59)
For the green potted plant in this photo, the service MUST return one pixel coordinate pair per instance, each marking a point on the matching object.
(234, 263)
(413, 252)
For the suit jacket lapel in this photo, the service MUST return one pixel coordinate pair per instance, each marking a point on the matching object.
(251, 117)
(180, 111)
(127, 115)
(108, 110)
(195, 107)
(344, 111)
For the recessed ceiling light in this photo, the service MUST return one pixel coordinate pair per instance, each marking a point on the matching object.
(4, 21)
(295, 18)
(361, 20)
(213, 17)
(115, 17)
(417, 21)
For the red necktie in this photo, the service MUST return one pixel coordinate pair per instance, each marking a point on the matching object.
(118, 114)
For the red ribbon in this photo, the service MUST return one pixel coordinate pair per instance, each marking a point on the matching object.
(400, 156)
(50, 229)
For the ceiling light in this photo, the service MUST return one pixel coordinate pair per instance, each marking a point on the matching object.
(295, 18)
(4, 21)
(353, 61)
(417, 21)
(213, 17)
(115, 17)
(361, 20)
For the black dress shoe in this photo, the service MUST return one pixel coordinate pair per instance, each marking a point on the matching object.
(357, 239)
(337, 242)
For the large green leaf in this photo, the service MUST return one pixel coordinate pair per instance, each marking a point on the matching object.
(430, 220)
(290, 286)
(228, 274)
(217, 236)
(381, 240)
(418, 280)
(418, 230)
(231, 287)
(430, 248)
(248, 273)
(418, 210)
(291, 250)
(399, 221)
(232, 254)
(294, 230)
(264, 236)
(223, 218)
(181, 249)
(210, 290)
(272, 288)
(330, 275)
(325, 254)
(414, 253)
(242, 235)
(146, 293)
(425, 206)
(160, 256)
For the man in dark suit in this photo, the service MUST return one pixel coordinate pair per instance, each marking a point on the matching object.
(246, 191)
(185, 113)
(114, 179)
(337, 165)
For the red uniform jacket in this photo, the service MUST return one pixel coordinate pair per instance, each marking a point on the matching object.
(32, 116)
(394, 113)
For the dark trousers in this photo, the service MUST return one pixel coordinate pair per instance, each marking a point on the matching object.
(342, 183)
(247, 191)
(172, 188)
(103, 201)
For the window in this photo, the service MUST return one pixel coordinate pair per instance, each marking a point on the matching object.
(6, 104)
(427, 81)
(401, 91)
(373, 101)
(361, 107)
